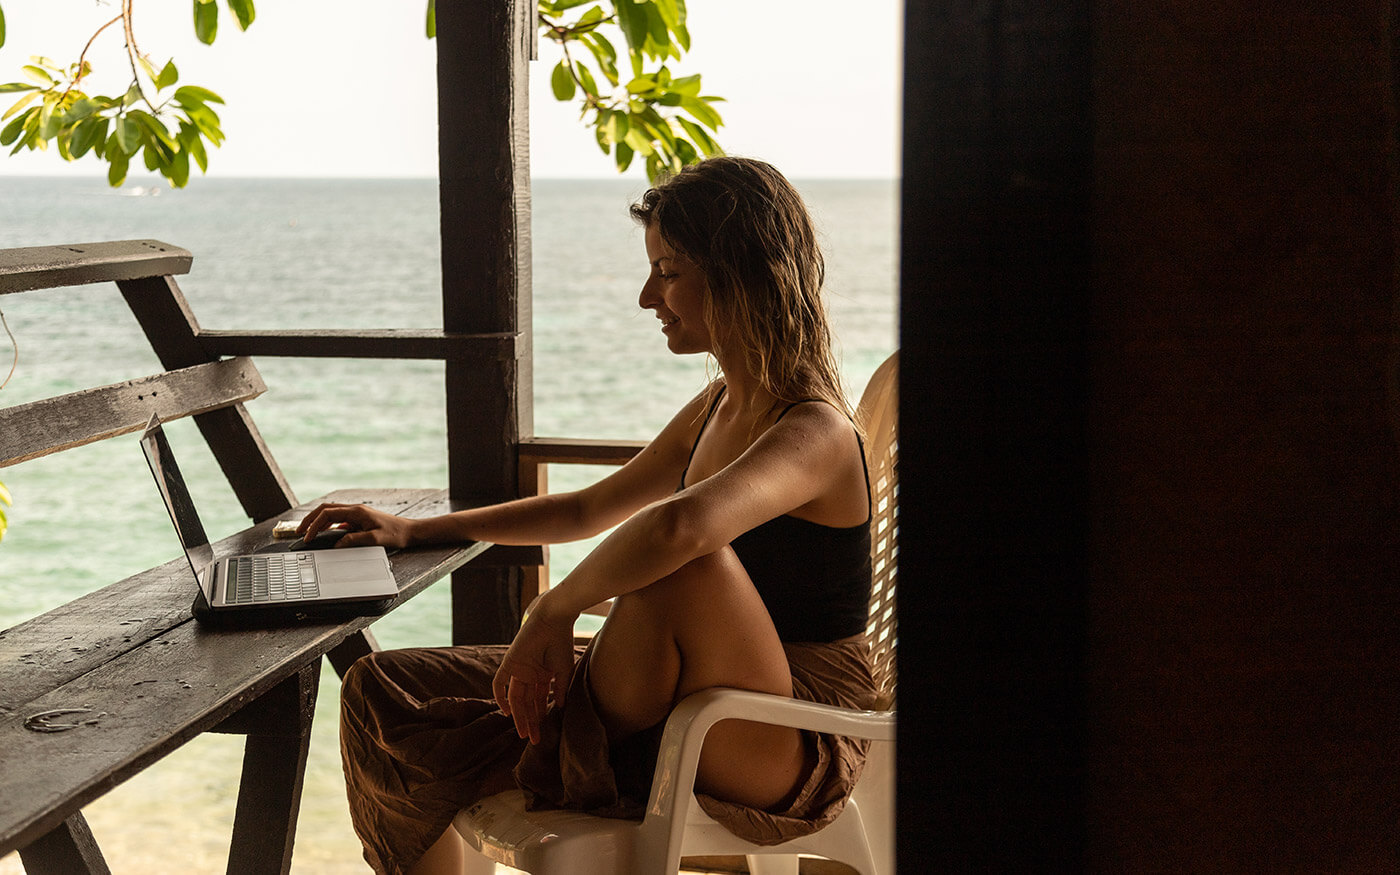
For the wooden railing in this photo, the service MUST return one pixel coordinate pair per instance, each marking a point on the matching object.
(534, 457)
(87, 656)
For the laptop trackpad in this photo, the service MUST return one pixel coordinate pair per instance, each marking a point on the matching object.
(355, 572)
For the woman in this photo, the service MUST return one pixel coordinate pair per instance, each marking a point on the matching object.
(740, 559)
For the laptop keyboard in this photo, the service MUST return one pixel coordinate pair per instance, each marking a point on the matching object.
(273, 577)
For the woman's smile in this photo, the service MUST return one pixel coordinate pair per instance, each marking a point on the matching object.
(675, 291)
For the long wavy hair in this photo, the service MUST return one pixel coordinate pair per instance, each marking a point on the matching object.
(744, 225)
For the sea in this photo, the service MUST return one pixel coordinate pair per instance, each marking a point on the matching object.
(338, 253)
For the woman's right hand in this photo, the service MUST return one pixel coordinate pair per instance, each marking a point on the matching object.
(368, 526)
(537, 668)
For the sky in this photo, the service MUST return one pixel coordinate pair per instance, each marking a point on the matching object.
(337, 88)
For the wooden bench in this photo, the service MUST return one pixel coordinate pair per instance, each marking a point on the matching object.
(106, 685)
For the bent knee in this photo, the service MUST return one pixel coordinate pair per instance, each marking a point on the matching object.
(702, 578)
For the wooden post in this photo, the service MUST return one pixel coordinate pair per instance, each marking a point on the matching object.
(166, 318)
(483, 49)
(274, 768)
(1150, 407)
(68, 849)
(995, 272)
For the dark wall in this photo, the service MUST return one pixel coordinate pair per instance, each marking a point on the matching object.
(1150, 540)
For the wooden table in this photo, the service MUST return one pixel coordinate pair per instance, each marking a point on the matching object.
(147, 679)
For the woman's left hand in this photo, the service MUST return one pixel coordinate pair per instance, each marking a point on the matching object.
(540, 661)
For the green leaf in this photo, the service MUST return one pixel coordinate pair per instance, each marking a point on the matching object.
(2, 27)
(586, 78)
(149, 68)
(653, 169)
(194, 144)
(701, 110)
(127, 135)
(657, 31)
(562, 82)
(668, 11)
(39, 75)
(206, 23)
(99, 144)
(243, 11)
(432, 19)
(701, 137)
(17, 86)
(633, 24)
(11, 131)
(28, 130)
(207, 121)
(623, 158)
(193, 95)
(168, 76)
(659, 129)
(179, 169)
(20, 104)
(117, 164)
(637, 139)
(641, 84)
(132, 95)
(49, 119)
(85, 136)
(687, 85)
(686, 152)
(153, 126)
(80, 110)
(617, 126)
(603, 53)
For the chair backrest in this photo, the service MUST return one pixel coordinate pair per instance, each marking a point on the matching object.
(878, 415)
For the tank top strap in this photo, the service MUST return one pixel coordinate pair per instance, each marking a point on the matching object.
(708, 414)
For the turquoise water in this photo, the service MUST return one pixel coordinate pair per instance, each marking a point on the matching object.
(275, 254)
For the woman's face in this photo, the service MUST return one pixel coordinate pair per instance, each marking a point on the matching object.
(675, 290)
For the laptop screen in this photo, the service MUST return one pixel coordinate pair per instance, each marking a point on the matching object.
(177, 499)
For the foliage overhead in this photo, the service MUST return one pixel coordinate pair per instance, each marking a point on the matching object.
(633, 102)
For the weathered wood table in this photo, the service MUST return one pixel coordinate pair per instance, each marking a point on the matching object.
(98, 689)
(135, 677)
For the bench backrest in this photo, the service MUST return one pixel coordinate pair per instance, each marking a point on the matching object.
(196, 382)
(29, 431)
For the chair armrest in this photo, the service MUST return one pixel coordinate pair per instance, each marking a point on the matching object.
(699, 711)
(674, 779)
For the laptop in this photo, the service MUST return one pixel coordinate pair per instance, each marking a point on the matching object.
(288, 584)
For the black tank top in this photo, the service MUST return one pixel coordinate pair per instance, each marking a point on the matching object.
(814, 579)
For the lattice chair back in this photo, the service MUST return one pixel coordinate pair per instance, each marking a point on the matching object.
(878, 416)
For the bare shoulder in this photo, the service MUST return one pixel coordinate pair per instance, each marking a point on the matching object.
(818, 425)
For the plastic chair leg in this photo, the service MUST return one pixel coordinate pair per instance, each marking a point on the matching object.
(476, 864)
(772, 864)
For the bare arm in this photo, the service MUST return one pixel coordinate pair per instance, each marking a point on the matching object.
(544, 519)
(807, 463)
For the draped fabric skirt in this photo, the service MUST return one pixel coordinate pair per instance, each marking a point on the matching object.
(421, 738)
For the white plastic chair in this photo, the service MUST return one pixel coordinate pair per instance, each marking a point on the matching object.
(555, 842)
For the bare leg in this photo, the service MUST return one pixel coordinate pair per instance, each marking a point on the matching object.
(703, 626)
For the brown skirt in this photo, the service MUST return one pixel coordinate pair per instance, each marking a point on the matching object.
(421, 738)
